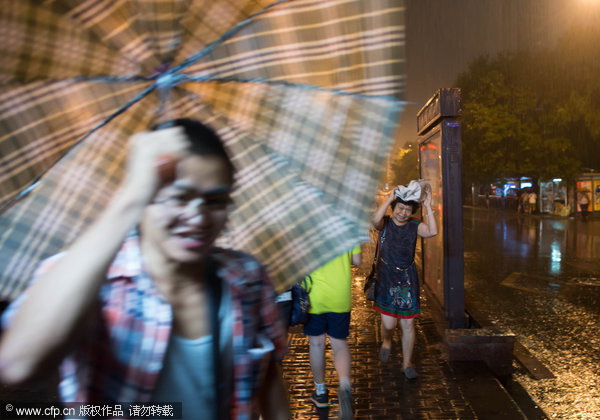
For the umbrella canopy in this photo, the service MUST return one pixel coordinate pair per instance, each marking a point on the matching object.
(305, 94)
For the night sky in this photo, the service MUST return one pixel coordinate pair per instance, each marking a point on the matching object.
(444, 36)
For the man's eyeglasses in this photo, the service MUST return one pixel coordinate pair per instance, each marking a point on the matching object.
(213, 201)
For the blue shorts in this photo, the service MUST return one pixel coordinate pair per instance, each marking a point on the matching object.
(334, 324)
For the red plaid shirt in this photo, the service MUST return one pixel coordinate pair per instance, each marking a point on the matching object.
(122, 355)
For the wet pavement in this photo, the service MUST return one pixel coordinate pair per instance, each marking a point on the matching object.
(443, 390)
(539, 277)
(380, 391)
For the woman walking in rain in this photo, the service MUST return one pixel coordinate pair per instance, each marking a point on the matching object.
(397, 286)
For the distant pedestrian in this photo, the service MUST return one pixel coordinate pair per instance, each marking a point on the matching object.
(525, 201)
(329, 315)
(397, 285)
(532, 198)
(583, 201)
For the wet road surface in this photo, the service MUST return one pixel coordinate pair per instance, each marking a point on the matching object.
(539, 277)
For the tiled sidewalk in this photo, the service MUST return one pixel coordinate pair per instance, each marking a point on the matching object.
(380, 391)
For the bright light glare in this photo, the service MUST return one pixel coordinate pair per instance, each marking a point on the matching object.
(555, 257)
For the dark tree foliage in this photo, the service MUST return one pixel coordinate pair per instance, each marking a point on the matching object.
(533, 114)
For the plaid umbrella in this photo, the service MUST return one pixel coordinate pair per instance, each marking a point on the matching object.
(305, 94)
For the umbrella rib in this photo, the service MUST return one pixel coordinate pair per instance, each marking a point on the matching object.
(290, 84)
(36, 181)
(114, 79)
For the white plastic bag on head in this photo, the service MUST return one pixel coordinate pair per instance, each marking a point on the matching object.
(414, 191)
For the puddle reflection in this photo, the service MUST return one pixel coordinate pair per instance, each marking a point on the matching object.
(540, 278)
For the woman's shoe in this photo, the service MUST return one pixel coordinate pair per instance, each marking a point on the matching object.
(410, 373)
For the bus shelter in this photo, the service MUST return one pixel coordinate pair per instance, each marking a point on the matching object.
(439, 139)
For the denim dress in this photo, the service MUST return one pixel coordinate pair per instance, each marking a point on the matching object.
(397, 285)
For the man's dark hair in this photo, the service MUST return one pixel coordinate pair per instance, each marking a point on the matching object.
(414, 204)
(203, 139)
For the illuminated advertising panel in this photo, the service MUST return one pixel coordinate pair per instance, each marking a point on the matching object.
(430, 150)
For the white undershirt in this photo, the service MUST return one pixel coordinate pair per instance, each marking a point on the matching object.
(187, 373)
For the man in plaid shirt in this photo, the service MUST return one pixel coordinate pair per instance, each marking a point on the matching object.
(127, 310)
